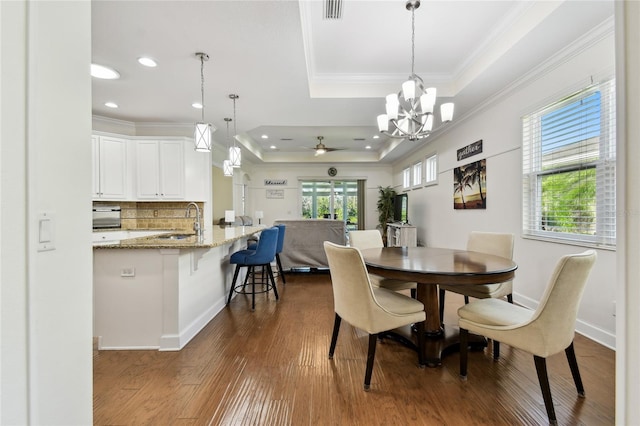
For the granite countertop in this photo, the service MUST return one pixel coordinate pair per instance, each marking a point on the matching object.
(213, 237)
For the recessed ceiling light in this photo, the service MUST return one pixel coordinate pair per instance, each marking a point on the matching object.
(147, 62)
(111, 104)
(272, 147)
(197, 105)
(103, 72)
(265, 136)
(376, 136)
(368, 147)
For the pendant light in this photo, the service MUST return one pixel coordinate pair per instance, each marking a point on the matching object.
(202, 134)
(235, 155)
(227, 169)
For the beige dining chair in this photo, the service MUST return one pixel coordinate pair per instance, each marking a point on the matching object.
(499, 244)
(371, 309)
(371, 238)
(544, 332)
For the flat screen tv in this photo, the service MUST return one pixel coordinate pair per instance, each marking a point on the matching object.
(401, 208)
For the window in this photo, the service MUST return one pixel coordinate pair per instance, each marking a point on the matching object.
(417, 173)
(431, 170)
(406, 178)
(568, 163)
(332, 199)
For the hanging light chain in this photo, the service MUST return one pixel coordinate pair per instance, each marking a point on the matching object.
(235, 131)
(413, 38)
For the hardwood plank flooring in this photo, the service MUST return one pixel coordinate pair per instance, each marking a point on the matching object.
(270, 367)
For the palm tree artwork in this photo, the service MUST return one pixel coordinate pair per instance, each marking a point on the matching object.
(470, 186)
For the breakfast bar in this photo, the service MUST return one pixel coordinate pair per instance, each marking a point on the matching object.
(158, 291)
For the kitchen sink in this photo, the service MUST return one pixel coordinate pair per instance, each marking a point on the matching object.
(174, 236)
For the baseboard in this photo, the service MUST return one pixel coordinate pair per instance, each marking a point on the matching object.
(175, 342)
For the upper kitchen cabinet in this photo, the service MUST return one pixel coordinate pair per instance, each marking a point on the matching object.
(110, 177)
(160, 170)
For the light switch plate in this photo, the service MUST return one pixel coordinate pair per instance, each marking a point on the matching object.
(46, 231)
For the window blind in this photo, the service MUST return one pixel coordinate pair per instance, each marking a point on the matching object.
(568, 163)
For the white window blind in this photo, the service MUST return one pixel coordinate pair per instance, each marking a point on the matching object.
(568, 163)
(417, 174)
(431, 169)
(406, 178)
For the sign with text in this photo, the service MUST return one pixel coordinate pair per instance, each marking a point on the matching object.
(275, 182)
(470, 150)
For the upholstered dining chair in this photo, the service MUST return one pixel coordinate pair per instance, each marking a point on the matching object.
(262, 256)
(498, 244)
(543, 332)
(371, 238)
(371, 309)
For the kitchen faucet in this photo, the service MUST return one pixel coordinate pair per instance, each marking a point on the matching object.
(196, 224)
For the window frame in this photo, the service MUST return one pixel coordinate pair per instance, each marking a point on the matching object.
(406, 178)
(431, 159)
(604, 165)
(416, 174)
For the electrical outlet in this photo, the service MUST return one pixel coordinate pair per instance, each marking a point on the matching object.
(128, 272)
(155, 213)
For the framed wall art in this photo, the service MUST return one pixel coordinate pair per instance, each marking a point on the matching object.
(470, 186)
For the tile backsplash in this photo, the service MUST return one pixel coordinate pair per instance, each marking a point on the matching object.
(154, 215)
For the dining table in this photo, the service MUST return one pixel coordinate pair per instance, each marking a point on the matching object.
(429, 267)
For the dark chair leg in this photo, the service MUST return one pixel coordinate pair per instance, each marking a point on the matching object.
(253, 288)
(464, 352)
(510, 298)
(280, 270)
(414, 292)
(575, 372)
(421, 344)
(496, 350)
(273, 281)
(334, 336)
(466, 300)
(441, 305)
(373, 338)
(233, 283)
(543, 378)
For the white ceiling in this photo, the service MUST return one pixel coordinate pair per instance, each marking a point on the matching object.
(300, 76)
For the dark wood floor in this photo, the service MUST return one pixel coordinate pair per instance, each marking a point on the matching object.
(270, 367)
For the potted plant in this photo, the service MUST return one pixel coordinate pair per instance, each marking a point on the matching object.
(386, 196)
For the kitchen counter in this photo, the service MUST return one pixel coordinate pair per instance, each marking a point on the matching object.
(214, 237)
(158, 291)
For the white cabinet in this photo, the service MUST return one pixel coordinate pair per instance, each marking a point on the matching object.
(401, 235)
(160, 170)
(110, 177)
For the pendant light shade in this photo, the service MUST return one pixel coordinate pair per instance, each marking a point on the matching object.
(202, 133)
(202, 137)
(235, 154)
(226, 168)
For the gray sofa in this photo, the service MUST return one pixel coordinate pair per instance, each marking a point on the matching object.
(303, 242)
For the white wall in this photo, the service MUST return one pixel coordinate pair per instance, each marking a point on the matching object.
(290, 206)
(499, 127)
(45, 121)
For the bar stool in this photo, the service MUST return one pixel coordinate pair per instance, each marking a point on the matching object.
(263, 255)
(281, 229)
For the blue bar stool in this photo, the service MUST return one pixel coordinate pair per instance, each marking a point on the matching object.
(281, 229)
(263, 255)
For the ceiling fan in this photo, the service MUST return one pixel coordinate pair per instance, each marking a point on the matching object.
(322, 148)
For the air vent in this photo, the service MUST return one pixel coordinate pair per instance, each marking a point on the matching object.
(359, 139)
(332, 9)
(286, 139)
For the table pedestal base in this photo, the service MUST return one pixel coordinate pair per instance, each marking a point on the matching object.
(436, 347)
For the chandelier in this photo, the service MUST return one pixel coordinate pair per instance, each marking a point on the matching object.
(227, 169)
(409, 114)
(202, 134)
(235, 155)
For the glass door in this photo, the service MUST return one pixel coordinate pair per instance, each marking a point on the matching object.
(326, 199)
